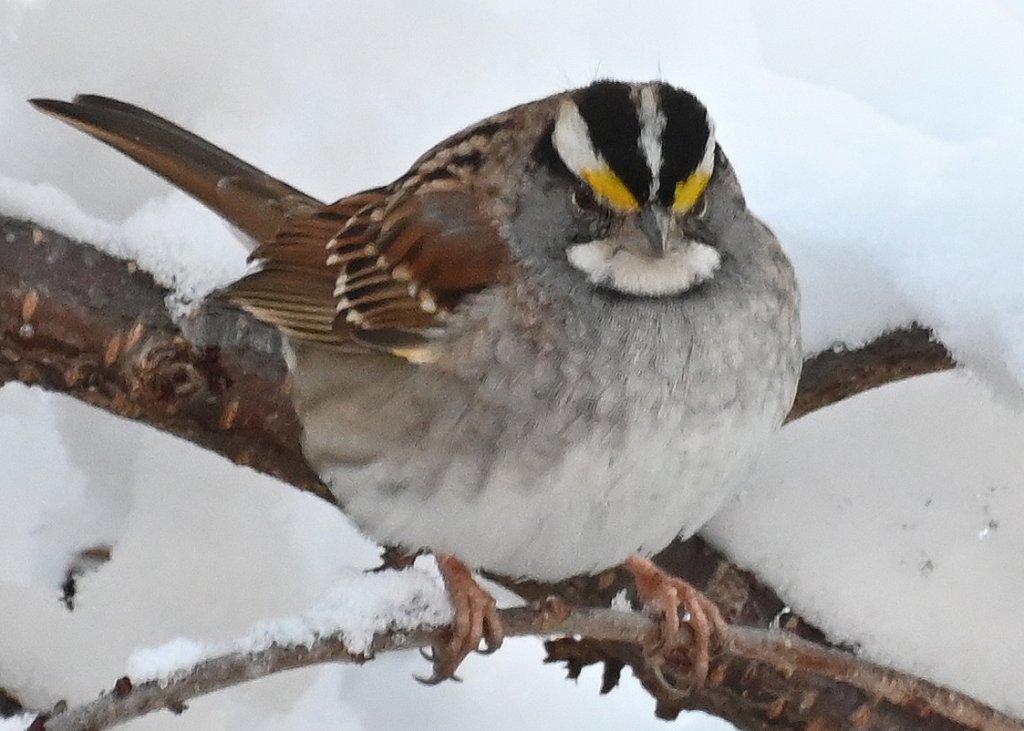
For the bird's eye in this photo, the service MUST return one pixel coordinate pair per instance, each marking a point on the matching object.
(700, 208)
(584, 200)
(594, 219)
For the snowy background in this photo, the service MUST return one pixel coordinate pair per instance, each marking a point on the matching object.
(884, 142)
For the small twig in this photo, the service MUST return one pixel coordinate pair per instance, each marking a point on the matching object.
(872, 696)
(128, 700)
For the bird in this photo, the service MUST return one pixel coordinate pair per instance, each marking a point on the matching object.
(555, 344)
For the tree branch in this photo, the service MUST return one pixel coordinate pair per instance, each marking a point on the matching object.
(832, 689)
(77, 321)
(833, 375)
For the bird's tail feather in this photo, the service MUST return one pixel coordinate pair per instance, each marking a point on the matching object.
(244, 195)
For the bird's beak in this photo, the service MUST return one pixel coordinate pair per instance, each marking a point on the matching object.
(656, 224)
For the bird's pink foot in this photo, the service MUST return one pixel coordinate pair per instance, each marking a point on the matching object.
(476, 619)
(666, 594)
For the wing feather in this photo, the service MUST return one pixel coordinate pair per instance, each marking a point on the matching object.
(380, 269)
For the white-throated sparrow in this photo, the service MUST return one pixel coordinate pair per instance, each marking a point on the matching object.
(552, 346)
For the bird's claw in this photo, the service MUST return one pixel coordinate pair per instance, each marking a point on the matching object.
(673, 686)
(475, 619)
(667, 595)
(436, 678)
(487, 649)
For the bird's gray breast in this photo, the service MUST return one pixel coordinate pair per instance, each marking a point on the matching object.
(556, 438)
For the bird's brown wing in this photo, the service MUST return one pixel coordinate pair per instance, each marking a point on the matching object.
(380, 269)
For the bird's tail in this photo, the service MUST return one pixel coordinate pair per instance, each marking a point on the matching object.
(255, 202)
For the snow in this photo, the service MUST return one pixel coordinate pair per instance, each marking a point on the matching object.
(177, 257)
(925, 534)
(882, 142)
(16, 723)
(358, 606)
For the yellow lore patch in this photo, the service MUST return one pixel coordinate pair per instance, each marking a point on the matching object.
(688, 191)
(609, 187)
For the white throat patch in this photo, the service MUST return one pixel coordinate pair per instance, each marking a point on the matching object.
(614, 267)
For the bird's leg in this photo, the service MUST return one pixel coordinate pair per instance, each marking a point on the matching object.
(667, 594)
(476, 619)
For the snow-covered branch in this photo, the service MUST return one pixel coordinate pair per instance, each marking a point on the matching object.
(80, 322)
(832, 689)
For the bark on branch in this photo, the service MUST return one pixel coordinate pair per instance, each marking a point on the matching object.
(802, 685)
(77, 321)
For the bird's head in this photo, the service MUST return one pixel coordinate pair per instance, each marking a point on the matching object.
(634, 162)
